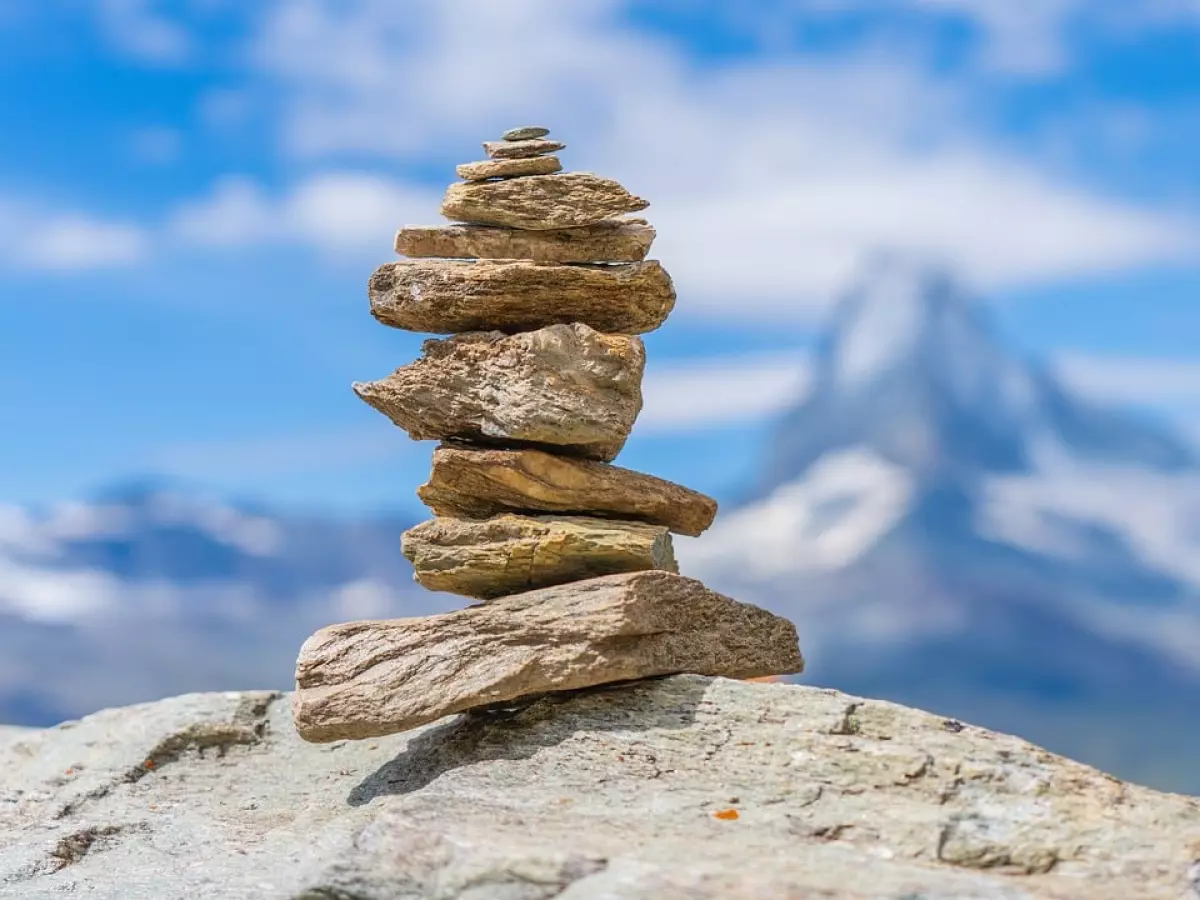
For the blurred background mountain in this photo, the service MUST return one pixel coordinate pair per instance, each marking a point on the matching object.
(935, 349)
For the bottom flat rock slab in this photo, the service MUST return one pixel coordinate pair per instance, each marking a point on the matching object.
(511, 554)
(366, 679)
(683, 787)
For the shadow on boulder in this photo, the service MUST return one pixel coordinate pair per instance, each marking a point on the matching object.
(519, 730)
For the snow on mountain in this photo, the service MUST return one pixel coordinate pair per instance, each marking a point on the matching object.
(950, 527)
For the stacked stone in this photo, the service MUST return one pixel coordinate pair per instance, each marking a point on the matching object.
(543, 285)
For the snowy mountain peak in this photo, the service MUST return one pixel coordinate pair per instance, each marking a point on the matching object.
(913, 370)
(912, 320)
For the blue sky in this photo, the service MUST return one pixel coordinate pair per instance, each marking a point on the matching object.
(193, 194)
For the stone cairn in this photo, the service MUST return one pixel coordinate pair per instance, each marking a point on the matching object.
(543, 289)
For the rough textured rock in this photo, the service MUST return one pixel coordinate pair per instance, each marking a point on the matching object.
(509, 554)
(509, 168)
(521, 149)
(364, 679)
(612, 793)
(480, 483)
(617, 240)
(566, 386)
(525, 133)
(540, 202)
(451, 296)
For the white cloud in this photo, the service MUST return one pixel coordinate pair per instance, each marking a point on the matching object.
(35, 239)
(720, 392)
(340, 212)
(140, 30)
(1130, 379)
(770, 180)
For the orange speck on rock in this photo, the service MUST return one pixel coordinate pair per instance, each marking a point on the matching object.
(148, 765)
(726, 815)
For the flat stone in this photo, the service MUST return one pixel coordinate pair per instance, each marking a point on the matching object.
(615, 240)
(525, 133)
(451, 296)
(510, 554)
(521, 149)
(480, 483)
(540, 202)
(509, 168)
(569, 387)
(366, 679)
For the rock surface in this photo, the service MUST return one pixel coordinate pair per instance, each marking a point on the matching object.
(590, 796)
(521, 149)
(509, 168)
(364, 679)
(566, 386)
(616, 240)
(482, 483)
(525, 133)
(451, 296)
(509, 554)
(540, 202)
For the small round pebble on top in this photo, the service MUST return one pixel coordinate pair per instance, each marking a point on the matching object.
(525, 133)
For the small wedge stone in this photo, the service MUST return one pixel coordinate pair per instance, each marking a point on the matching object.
(525, 133)
(509, 168)
(521, 149)
(616, 240)
(510, 554)
(569, 387)
(368, 679)
(540, 202)
(450, 296)
(473, 483)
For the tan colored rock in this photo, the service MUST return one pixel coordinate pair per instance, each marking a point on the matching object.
(616, 240)
(509, 168)
(540, 202)
(521, 149)
(565, 386)
(510, 554)
(454, 296)
(480, 483)
(365, 679)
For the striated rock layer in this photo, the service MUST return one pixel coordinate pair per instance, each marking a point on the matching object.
(521, 149)
(566, 386)
(481, 483)
(510, 554)
(450, 297)
(615, 240)
(540, 201)
(363, 679)
(509, 168)
(682, 787)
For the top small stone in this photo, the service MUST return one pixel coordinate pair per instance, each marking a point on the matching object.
(525, 133)
(521, 149)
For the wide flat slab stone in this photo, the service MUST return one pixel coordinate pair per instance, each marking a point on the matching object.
(522, 149)
(452, 296)
(476, 483)
(509, 554)
(366, 679)
(615, 240)
(509, 168)
(565, 386)
(540, 202)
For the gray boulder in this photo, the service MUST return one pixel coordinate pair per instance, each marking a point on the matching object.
(683, 787)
